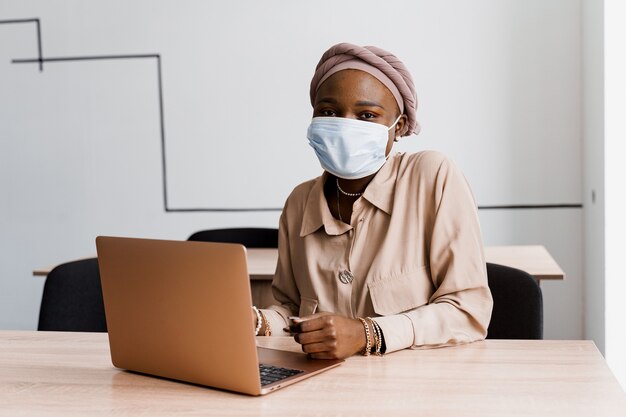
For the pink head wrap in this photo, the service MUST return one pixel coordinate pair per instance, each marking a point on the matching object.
(379, 63)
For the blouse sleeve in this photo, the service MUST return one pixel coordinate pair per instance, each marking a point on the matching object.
(459, 310)
(284, 286)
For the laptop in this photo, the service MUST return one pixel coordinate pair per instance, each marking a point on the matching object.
(182, 310)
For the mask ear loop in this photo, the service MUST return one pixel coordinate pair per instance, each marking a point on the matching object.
(395, 139)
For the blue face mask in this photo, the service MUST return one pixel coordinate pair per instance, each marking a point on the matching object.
(349, 148)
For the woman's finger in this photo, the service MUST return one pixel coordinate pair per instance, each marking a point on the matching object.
(311, 337)
(310, 325)
(323, 355)
(314, 348)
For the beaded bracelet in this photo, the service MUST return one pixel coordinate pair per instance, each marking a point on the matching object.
(368, 341)
(268, 328)
(380, 339)
(259, 320)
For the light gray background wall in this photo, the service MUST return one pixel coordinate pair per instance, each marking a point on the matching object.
(593, 168)
(499, 84)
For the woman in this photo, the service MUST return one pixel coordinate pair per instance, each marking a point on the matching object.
(382, 252)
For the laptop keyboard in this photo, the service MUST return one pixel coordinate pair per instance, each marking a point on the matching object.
(270, 373)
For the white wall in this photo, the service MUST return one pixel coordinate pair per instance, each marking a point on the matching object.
(615, 172)
(499, 85)
(593, 167)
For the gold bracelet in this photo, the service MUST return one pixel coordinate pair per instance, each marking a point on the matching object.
(368, 341)
(374, 334)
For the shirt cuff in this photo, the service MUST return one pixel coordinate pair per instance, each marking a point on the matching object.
(276, 322)
(397, 331)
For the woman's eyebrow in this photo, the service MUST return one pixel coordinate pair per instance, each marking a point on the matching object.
(326, 100)
(369, 104)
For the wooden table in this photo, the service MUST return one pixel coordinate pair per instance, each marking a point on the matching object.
(535, 260)
(70, 374)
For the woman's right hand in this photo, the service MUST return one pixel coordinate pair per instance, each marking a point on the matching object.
(329, 336)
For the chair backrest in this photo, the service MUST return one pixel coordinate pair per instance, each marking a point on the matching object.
(517, 304)
(72, 298)
(250, 237)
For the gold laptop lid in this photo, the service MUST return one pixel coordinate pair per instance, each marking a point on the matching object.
(180, 310)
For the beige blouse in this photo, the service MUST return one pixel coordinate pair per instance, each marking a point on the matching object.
(413, 248)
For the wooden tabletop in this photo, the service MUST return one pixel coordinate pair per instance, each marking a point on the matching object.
(70, 374)
(535, 260)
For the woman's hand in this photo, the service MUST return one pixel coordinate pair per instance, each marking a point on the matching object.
(329, 336)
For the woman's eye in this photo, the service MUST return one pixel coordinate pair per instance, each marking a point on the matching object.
(327, 113)
(367, 115)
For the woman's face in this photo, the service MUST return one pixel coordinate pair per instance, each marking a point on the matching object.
(357, 95)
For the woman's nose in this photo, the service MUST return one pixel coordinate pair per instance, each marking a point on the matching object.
(350, 115)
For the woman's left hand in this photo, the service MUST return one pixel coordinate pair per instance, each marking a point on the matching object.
(329, 336)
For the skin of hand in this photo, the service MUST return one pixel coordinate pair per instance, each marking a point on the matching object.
(329, 336)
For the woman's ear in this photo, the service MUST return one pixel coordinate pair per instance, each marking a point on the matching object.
(400, 126)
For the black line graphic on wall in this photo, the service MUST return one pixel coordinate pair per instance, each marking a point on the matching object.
(157, 58)
(114, 57)
(38, 26)
(40, 60)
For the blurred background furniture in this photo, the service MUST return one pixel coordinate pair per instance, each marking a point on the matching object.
(72, 298)
(517, 304)
(517, 314)
(250, 237)
(534, 259)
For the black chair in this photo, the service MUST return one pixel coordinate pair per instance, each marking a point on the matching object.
(72, 298)
(250, 237)
(517, 304)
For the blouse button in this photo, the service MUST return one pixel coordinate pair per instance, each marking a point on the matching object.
(345, 276)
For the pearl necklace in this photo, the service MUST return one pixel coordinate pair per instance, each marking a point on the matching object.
(345, 193)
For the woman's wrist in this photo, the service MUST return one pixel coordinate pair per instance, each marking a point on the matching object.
(266, 327)
(262, 325)
(372, 339)
(259, 320)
